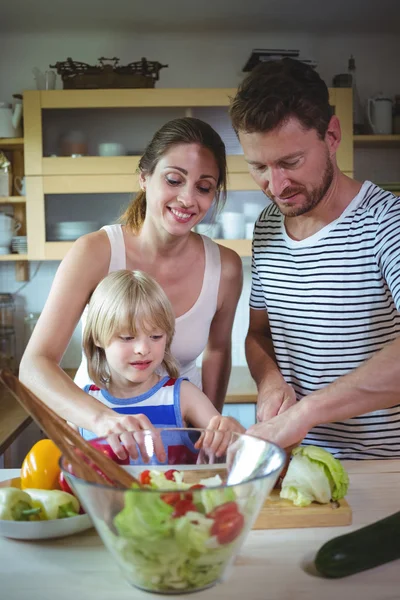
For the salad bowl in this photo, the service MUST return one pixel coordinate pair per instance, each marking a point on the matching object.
(184, 525)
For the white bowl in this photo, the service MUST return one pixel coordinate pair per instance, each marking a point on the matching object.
(44, 530)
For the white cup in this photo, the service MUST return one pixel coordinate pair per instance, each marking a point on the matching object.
(111, 149)
(20, 185)
(232, 225)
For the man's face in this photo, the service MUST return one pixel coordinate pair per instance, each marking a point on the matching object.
(291, 165)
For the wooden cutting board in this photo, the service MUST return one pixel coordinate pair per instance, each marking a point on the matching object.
(283, 514)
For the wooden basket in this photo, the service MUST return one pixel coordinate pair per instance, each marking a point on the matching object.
(79, 75)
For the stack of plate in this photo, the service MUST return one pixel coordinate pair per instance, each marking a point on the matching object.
(67, 231)
(19, 244)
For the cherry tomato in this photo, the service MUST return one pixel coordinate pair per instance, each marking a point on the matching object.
(170, 474)
(227, 527)
(182, 507)
(171, 497)
(145, 477)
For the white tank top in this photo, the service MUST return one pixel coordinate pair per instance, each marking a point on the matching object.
(192, 328)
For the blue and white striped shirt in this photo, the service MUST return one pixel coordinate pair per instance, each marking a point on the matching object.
(333, 301)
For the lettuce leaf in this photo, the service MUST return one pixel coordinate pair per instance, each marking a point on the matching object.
(314, 475)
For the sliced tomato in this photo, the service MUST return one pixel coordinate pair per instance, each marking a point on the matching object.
(182, 507)
(170, 474)
(188, 495)
(223, 510)
(227, 527)
(145, 477)
(171, 497)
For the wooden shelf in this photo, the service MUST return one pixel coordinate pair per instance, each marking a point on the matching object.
(13, 257)
(10, 142)
(12, 199)
(378, 141)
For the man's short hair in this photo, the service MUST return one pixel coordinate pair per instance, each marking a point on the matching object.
(277, 90)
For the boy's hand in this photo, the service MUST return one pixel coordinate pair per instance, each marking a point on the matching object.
(219, 435)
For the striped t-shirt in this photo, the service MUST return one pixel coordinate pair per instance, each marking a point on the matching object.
(161, 404)
(333, 300)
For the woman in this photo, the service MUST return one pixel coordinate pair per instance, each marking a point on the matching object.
(182, 173)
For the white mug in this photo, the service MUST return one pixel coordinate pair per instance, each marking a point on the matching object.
(8, 228)
(20, 185)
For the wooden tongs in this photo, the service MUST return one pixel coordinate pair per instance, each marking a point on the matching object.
(86, 462)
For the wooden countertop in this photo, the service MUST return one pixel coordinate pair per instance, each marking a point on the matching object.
(241, 387)
(272, 565)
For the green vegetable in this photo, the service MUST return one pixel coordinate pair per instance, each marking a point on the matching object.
(54, 504)
(160, 552)
(16, 505)
(314, 475)
(362, 549)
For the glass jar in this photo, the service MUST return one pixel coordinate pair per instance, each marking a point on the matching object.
(7, 309)
(7, 350)
(30, 321)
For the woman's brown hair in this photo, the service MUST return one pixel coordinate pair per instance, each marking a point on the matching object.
(185, 130)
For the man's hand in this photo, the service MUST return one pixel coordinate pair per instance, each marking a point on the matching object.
(274, 401)
(287, 429)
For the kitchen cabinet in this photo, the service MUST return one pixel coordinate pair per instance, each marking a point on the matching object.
(48, 176)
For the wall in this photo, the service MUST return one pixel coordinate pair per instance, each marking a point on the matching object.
(209, 60)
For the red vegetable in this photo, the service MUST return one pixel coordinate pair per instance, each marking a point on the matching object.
(108, 451)
(64, 485)
(145, 477)
(182, 507)
(171, 497)
(228, 522)
(170, 474)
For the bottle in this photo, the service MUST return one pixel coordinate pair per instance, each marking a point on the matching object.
(358, 113)
(396, 115)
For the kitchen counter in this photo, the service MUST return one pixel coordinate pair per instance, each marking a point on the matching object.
(241, 387)
(272, 565)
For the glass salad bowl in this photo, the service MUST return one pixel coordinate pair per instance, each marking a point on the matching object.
(181, 529)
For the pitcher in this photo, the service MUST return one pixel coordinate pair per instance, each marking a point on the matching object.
(379, 113)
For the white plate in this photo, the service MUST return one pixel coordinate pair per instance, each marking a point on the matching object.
(44, 530)
(41, 530)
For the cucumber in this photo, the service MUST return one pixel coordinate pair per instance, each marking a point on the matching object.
(360, 550)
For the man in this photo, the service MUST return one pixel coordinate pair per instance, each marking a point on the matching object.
(325, 300)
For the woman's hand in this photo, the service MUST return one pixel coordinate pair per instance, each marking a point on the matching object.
(218, 435)
(125, 434)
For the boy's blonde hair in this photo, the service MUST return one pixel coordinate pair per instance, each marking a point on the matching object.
(122, 302)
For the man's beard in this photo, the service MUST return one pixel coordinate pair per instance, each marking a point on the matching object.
(312, 199)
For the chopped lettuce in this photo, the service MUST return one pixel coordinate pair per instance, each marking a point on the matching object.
(314, 475)
(161, 553)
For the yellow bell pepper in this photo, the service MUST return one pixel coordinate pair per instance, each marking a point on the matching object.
(40, 469)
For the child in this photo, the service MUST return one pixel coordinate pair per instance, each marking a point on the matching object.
(127, 337)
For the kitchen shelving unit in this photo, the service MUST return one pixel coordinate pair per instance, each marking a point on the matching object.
(96, 174)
